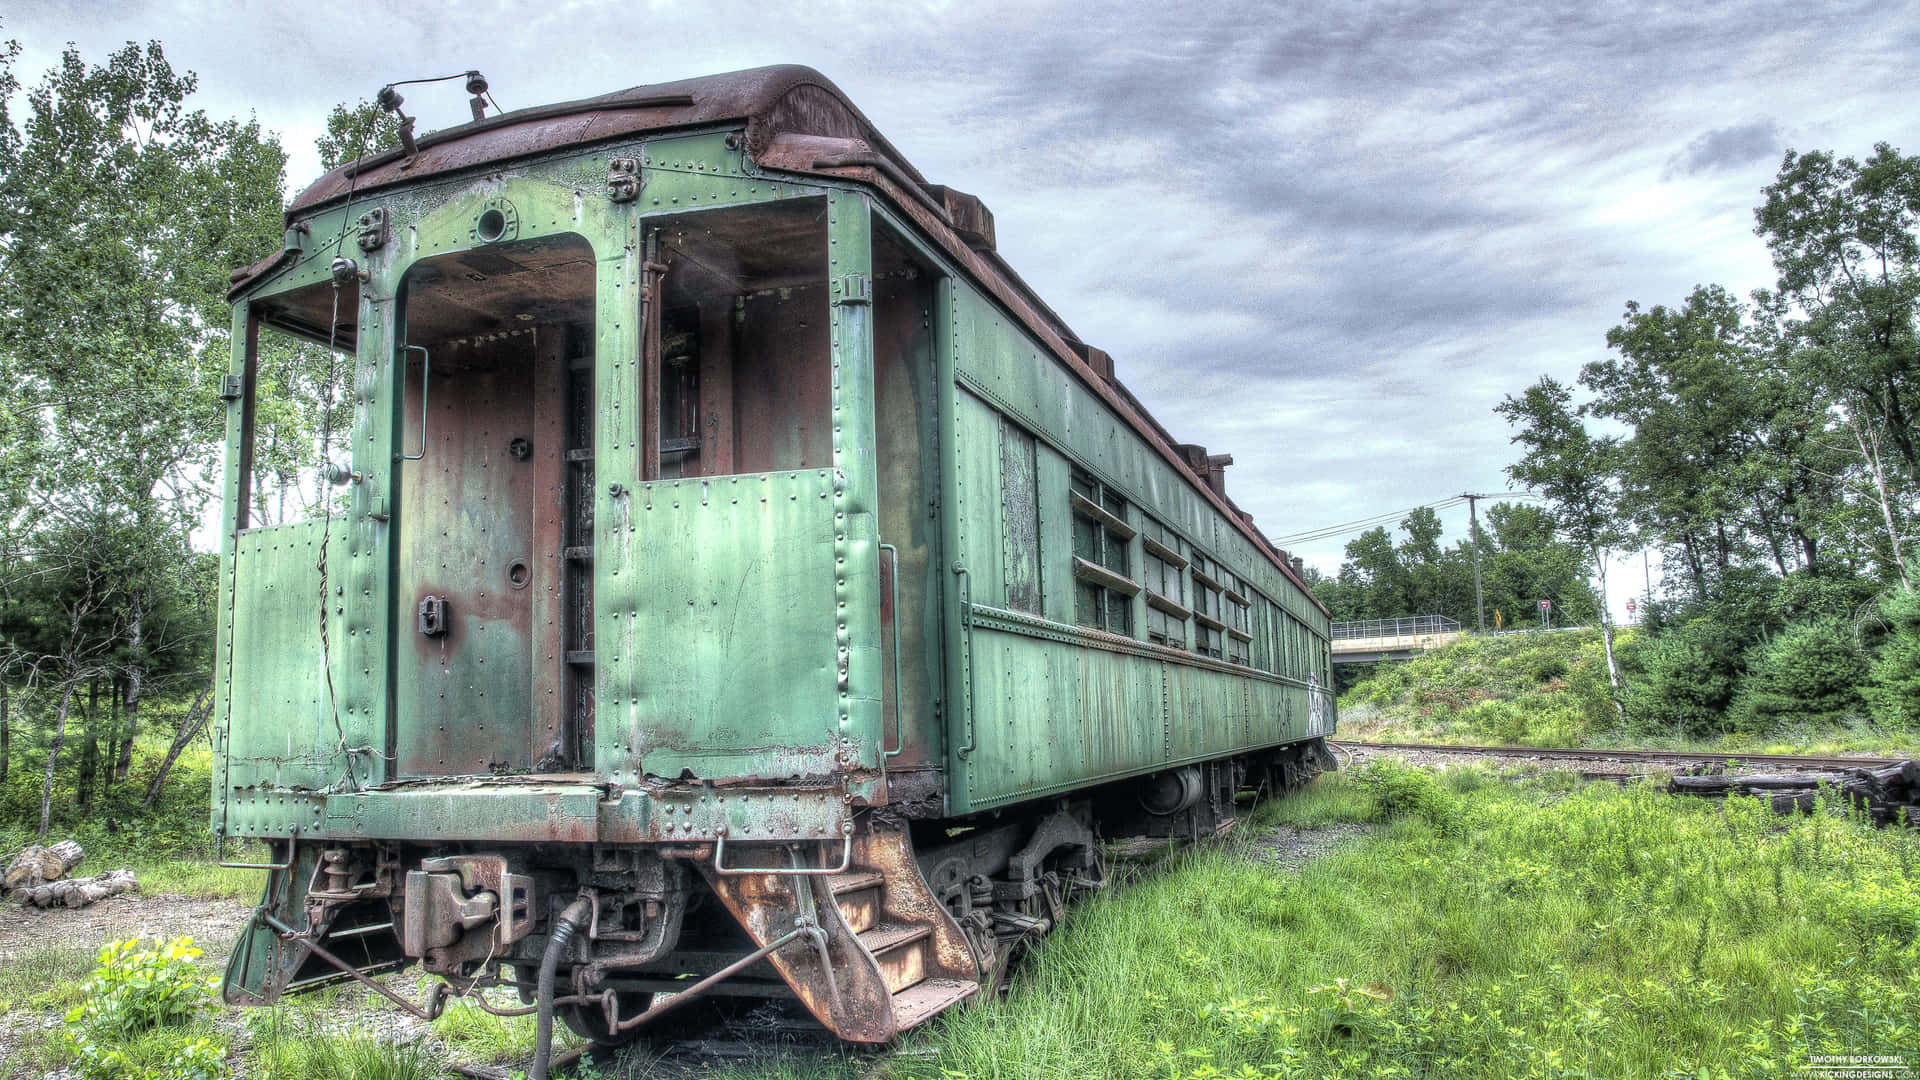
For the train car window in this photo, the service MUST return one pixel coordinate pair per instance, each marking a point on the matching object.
(1020, 494)
(1104, 585)
(1164, 569)
(1264, 646)
(1235, 614)
(738, 367)
(1209, 604)
(298, 407)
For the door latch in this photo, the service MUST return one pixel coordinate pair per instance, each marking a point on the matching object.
(433, 616)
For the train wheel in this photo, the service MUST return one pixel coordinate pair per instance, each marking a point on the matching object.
(590, 1021)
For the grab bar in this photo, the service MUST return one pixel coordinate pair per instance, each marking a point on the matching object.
(893, 605)
(426, 371)
(846, 860)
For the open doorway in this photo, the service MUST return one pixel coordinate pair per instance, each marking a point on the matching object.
(492, 519)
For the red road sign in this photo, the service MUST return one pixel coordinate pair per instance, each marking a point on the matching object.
(1545, 604)
(1630, 606)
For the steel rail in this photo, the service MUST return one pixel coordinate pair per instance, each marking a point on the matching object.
(1593, 754)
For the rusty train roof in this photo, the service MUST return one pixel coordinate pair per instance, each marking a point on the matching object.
(796, 121)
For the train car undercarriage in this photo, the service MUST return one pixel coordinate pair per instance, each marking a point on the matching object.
(872, 937)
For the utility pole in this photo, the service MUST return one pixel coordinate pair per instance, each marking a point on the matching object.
(1473, 534)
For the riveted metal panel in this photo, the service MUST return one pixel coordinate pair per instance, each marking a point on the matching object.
(726, 586)
(743, 812)
(856, 496)
(1050, 715)
(282, 732)
(984, 509)
(530, 813)
(1058, 707)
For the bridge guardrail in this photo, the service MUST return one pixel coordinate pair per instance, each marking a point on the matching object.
(1410, 626)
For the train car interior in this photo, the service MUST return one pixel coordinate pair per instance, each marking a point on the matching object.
(744, 364)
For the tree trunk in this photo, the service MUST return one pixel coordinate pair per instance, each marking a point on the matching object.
(89, 747)
(113, 736)
(1694, 569)
(130, 711)
(78, 892)
(1886, 503)
(1897, 427)
(1606, 629)
(53, 752)
(129, 726)
(37, 865)
(1769, 530)
(6, 729)
(196, 719)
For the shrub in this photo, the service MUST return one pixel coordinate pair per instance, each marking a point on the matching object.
(1399, 790)
(1688, 678)
(1892, 690)
(1808, 673)
(138, 1001)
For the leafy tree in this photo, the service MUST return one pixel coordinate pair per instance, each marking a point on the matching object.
(1842, 235)
(121, 212)
(1722, 463)
(356, 131)
(1573, 471)
(1523, 562)
(1374, 579)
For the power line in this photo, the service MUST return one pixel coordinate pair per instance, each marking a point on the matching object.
(1362, 524)
(1389, 517)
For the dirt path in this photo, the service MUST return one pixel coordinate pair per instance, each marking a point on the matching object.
(212, 924)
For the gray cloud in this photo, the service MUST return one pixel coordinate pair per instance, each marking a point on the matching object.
(1727, 148)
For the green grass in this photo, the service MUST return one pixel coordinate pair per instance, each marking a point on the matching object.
(297, 1045)
(477, 1035)
(45, 979)
(1554, 932)
(1519, 689)
(190, 875)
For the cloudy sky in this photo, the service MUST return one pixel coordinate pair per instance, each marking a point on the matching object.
(1324, 237)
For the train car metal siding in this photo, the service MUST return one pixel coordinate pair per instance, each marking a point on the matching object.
(1053, 705)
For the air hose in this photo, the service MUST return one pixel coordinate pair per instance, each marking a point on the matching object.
(564, 927)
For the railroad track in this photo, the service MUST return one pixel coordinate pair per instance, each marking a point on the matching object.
(1589, 754)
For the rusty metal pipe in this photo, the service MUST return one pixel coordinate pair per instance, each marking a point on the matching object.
(565, 925)
(436, 1001)
(683, 996)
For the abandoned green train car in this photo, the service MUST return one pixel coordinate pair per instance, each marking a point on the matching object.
(738, 572)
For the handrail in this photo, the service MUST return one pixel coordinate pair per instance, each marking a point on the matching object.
(220, 847)
(893, 605)
(846, 860)
(426, 373)
(966, 646)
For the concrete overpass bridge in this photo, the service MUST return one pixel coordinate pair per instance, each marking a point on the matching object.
(1391, 639)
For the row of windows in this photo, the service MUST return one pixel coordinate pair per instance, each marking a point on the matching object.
(1191, 600)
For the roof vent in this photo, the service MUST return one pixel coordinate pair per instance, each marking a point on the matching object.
(1097, 359)
(1211, 467)
(970, 217)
